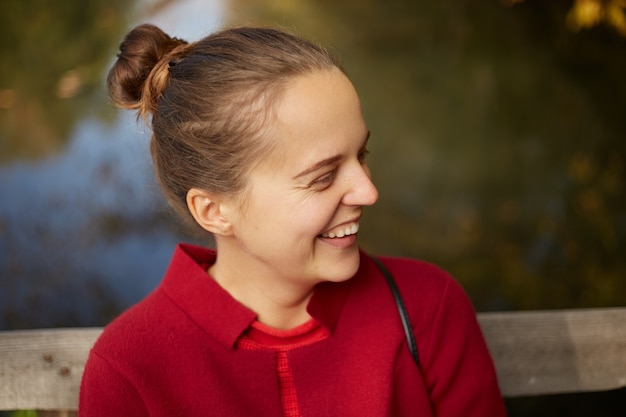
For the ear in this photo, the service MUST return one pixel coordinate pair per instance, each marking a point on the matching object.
(206, 209)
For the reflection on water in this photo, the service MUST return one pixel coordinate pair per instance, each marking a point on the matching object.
(497, 147)
(82, 233)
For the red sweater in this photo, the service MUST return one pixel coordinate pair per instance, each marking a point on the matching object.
(175, 353)
(260, 336)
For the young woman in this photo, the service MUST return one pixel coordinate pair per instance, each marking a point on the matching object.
(259, 140)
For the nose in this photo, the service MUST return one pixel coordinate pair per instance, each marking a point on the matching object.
(361, 190)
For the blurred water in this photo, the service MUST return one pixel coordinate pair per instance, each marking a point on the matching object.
(81, 236)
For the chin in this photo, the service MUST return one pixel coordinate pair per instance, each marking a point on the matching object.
(343, 268)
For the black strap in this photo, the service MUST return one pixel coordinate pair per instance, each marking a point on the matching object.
(404, 315)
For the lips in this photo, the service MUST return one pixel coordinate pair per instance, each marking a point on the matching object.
(342, 231)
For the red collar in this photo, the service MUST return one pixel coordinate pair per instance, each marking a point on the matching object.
(186, 282)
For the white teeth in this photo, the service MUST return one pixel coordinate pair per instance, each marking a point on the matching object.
(348, 230)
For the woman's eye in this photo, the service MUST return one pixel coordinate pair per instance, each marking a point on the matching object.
(324, 181)
(363, 154)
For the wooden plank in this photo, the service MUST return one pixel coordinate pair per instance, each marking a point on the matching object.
(535, 352)
(41, 369)
(561, 351)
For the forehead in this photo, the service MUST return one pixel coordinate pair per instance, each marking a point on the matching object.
(318, 115)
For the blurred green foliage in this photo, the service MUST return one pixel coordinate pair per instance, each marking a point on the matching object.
(51, 66)
(19, 413)
(24, 413)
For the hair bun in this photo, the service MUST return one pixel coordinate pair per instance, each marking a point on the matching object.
(140, 73)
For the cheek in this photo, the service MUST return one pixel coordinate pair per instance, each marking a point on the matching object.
(292, 215)
(317, 216)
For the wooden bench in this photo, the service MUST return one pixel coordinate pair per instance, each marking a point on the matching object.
(535, 352)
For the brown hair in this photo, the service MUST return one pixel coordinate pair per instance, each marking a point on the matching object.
(208, 101)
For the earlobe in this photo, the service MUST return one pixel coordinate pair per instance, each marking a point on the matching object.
(206, 210)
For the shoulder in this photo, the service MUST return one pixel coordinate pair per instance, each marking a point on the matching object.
(413, 276)
(427, 289)
(159, 310)
(152, 333)
(409, 268)
(135, 327)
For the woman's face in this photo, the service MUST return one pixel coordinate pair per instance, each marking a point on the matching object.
(301, 217)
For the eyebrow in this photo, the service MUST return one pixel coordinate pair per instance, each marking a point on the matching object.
(318, 165)
(327, 161)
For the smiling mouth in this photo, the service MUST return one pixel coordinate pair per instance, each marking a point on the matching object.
(344, 231)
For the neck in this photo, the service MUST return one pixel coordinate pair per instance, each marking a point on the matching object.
(278, 302)
(279, 317)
